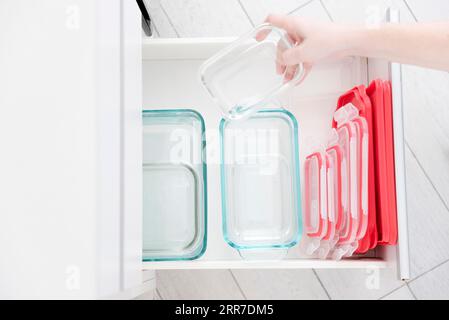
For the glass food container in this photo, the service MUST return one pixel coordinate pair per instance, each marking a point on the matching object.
(174, 185)
(242, 77)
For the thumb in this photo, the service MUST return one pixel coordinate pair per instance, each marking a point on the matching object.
(294, 55)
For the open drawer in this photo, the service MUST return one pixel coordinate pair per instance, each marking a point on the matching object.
(170, 81)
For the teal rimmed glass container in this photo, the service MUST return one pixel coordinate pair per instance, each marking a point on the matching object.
(174, 185)
(260, 184)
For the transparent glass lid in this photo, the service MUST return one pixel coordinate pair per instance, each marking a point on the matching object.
(242, 78)
(260, 181)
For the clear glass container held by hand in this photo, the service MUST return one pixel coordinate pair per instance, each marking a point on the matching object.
(242, 78)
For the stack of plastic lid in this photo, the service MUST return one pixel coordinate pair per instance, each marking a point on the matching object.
(379, 93)
(375, 105)
(336, 189)
(350, 198)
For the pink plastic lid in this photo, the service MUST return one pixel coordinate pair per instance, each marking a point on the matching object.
(362, 140)
(315, 203)
(347, 142)
(333, 155)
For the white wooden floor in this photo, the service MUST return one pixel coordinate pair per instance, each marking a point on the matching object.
(426, 102)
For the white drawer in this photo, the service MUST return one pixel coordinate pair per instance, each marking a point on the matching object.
(170, 81)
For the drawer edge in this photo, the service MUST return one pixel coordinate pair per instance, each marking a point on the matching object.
(284, 264)
(400, 174)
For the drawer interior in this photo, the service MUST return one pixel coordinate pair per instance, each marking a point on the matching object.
(171, 81)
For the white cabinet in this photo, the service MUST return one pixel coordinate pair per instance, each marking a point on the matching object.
(74, 77)
(70, 207)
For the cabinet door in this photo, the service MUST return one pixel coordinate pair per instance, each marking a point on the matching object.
(68, 226)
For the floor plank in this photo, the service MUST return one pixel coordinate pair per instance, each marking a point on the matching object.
(279, 284)
(403, 293)
(203, 18)
(359, 284)
(426, 113)
(367, 12)
(313, 10)
(428, 220)
(432, 285)
(429, 10)
(149, 296)
(197, 284)
(160, 20)
(258, 9)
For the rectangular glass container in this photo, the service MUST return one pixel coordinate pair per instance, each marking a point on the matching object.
(174, 185)
(260, 181)
(242, 77)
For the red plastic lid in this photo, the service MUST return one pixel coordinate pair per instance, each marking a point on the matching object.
(333, 155)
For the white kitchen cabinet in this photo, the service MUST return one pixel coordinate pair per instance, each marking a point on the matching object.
(70, 167)
(74, 78)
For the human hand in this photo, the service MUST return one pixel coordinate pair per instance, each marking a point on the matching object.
(314, 42)
(423, 44)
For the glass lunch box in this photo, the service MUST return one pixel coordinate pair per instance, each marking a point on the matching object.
(260, 183)
(174, 185)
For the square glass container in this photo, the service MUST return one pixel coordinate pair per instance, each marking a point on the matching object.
(242, 77)
(260, 181)
(174, 185)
